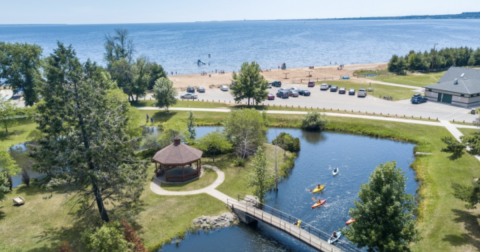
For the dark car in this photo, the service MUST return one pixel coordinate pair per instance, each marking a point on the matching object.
(418, 98)
(189, 96)
(333, 89)
(270, 96)
(282, 94)
(276, 83)
(341, 90)
(304, 92)
(351, 91)
(311, 84)
(190, 90)
(201, 89)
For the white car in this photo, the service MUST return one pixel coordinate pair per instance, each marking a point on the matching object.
(362, 93)
(224, 88)
(324, 86)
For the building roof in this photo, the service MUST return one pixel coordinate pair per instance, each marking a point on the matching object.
(459, 80)
(177, 153)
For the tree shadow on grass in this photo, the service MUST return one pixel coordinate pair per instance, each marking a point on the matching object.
(2, 214)
(471, 225)
(11, 134)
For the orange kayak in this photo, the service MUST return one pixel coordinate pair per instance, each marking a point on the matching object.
(319, 204)
(352, 220)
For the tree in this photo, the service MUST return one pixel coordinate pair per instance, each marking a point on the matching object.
(191, 125)
(4, 185)
(20, 68)
(155, 72)
(468, 193)
(287, 142)
(164, 93)
(314, 121)
(246, 130)
(140, 78)
(214, 143)
(453, 146)
(8, 113)
(85, 141)
(249, 84)
(107, 238)
(473, 142)
(172, 129)
(118, 46)
(8, 164)
(384, 212)
(260, 178)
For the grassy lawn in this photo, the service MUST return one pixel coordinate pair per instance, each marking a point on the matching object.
(24, 127)
(398, 93)
(208, 178)
(182, 104)
(467, 132)
(418, 80)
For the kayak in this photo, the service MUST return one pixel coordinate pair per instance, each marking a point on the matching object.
(318, 189)
(352, 220)
(333, 240)
(319, 204)
(335, 171)
(299, 223)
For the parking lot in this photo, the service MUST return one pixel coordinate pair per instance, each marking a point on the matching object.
(333, 100)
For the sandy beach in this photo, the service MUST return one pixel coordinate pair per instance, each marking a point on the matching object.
(294, 74)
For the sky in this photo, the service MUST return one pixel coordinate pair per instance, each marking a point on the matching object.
(160, 11)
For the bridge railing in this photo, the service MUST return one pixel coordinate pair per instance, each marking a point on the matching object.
(292, 219)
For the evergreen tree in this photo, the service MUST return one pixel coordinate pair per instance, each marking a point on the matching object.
(260, 178)
(453, 146)
(469, 194)
(84, 135)
(155, 72)
(249, 84)
(164, 93)
(384, 212)
(191, 125)
(20, 68)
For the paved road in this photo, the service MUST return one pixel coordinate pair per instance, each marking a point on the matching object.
(329, 100)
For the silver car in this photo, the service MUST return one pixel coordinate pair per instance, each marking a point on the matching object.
(224, 88)
(362, 93)
(189, 96)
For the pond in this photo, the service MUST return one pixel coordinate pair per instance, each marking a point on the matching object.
(356, 156)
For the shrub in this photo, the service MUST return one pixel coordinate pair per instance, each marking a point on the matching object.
(25, 177)
(239, 162)
(131, 237)
(287, 142)
(65, 247)
(109, 237)
(314, 121)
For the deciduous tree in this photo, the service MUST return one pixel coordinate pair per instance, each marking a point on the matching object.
(214, 143)
(249, 84)
(260, 178)
(384, 212)
(246, 129)
(84, 135)
(287, 142)
(164, 93)
(8, 113)
(314, 121)
(108, 237)
(191, 125)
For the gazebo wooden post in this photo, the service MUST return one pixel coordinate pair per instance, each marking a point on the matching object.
(183, 172)
(166, 174)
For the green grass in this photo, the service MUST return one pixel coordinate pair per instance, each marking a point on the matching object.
(398, 93)
(468, 132)
(182, 104)
(208, 178)
(418, 80)
(23, 129)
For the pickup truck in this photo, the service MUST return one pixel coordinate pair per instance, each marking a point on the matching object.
(418, 98)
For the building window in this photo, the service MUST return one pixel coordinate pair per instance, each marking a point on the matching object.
(462, 95)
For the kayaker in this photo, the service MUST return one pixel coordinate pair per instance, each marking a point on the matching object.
(318, 186)
(334, 235)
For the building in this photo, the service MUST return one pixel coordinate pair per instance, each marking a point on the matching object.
(458, 86)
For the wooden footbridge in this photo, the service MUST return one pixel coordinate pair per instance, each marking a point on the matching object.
(248, 211)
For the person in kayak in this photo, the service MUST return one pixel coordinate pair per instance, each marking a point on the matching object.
(334, 235)
(318, 186)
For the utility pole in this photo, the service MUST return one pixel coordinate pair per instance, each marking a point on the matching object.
(433, 57)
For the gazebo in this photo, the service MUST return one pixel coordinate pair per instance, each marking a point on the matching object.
(178, 157)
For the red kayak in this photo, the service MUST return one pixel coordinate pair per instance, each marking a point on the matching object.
(319, 203)
(352, 220)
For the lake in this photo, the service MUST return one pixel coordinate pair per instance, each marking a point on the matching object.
(178, 46)
(356, 156)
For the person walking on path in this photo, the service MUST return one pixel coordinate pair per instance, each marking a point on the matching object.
(147, 118)
(151, 120)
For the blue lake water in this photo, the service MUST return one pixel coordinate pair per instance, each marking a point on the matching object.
(356, 156)
(177, 46)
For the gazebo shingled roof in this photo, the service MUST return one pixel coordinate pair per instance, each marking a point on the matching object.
(177, 153)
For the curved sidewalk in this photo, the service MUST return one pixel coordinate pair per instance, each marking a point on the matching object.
(155, 185)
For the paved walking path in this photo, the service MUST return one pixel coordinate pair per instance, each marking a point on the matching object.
(327, 113)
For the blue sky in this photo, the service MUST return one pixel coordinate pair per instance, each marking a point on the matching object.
(151, 11)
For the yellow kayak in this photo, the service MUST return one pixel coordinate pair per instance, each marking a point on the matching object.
(299, 223)
(318, 189)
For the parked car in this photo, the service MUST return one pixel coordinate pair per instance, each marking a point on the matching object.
(189, 96)
(351, 91)
(362, 93)
(341, 90)
(324, 86)
(293, 93)
(201, 89)
(294, 89)
(270, 96)
(304, 92)
(282, 94)
(224, 88)
(418, 98)
(190, 90)
(277, 83)
(311, 84)
(333, 89)
(269, 85)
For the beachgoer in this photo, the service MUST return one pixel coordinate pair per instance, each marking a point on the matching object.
(209, 75)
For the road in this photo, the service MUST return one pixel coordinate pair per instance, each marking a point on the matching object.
(329, 100)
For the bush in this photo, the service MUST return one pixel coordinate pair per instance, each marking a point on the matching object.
(314, 121)
(131, 237)
(287, 142)
(65, 247)
(25, 177)
(107, 238)
(239, 162)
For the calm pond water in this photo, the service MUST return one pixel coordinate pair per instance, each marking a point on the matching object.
(356, 156)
